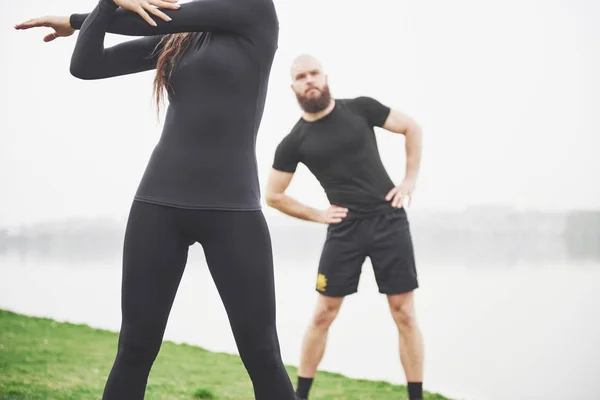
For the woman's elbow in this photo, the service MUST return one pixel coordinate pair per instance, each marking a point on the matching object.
(77, 71)
(81, 71)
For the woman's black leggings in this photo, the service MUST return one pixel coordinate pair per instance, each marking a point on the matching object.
(237, 247)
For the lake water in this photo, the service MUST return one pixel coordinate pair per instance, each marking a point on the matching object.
(492, 332)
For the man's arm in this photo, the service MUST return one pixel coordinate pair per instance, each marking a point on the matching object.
(401, 123)
(276, 198)
(398, 122)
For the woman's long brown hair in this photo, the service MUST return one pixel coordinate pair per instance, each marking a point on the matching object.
(171, 47)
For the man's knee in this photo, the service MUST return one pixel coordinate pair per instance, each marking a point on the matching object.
(325, 313)
(404, 313)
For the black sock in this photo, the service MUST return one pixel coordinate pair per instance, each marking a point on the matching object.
(304, 385)
(415, 390)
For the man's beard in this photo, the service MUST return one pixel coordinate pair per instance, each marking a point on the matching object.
(315, 104)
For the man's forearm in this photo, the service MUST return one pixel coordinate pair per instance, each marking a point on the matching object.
(293, 208)
(413, 145)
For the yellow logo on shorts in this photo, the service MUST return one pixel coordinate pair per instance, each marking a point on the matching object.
(321, 282)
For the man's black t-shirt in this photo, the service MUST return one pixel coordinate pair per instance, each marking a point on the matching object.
(341, 151)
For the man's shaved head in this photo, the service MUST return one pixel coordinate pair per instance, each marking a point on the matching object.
(305, 62)
(309, 83)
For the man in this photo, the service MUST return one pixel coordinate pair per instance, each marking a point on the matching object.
(335, 139)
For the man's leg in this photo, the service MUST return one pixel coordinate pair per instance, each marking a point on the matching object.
(339, 272)
(411, 341)
(395, 269)
(315, 340)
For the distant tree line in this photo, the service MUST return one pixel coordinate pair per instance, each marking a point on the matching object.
(479, 236)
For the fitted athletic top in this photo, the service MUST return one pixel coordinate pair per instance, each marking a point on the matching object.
(341, 150)
(205, 158)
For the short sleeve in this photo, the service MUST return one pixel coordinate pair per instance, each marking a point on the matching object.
(375, 112)
(286, 155)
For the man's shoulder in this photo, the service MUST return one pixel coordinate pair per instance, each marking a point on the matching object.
(298, 128)
(295, 133)
(367, 105)
(359, 100)
(355, 104)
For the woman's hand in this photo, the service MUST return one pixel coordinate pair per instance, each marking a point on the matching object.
(143, 7)
(61, 25)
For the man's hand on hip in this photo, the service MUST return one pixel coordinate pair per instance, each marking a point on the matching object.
(333, 215)
(397, 194)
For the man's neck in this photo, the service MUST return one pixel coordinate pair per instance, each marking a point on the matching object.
(311, 117)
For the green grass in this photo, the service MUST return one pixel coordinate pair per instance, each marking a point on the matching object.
(43, 359)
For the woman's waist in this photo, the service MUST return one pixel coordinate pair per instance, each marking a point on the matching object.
(201, 157)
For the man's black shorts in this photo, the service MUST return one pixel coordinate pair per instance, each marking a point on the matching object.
(384, 238)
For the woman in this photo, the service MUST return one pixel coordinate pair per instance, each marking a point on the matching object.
(213, 59)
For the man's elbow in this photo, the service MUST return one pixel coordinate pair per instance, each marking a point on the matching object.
(273, 199)
(414, 129)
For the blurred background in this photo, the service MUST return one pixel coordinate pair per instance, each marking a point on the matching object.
(505, 219)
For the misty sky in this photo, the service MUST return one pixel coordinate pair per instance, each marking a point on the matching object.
(507, 94)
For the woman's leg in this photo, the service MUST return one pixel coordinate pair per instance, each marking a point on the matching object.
(237, 246)
(154, 258)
